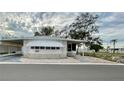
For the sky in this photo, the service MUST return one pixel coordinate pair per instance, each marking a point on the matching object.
(111, 24)
(112, 27)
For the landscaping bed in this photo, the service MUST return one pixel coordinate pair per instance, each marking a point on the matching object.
(116, 57)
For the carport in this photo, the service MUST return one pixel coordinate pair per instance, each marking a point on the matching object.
(10, 46)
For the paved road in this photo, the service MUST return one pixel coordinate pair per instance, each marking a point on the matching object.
(43, 72)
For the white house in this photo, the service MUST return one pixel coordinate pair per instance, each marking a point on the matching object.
(44, 46)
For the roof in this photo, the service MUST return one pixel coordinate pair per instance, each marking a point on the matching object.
(42, 37)
(45, 43)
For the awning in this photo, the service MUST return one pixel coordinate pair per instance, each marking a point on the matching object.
(45, 43)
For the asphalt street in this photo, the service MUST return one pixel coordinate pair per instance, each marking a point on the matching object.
(57, 72)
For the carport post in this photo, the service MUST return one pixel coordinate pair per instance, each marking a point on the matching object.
(83, 49)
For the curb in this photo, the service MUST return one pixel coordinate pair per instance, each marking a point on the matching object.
(62, 63)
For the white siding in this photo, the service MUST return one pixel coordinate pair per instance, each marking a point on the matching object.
(44, 53)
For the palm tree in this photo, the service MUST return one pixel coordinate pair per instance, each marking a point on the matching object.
(114, 41)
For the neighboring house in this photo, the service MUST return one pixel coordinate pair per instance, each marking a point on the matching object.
(43, 46)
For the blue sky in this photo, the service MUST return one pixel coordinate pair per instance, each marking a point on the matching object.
(112, 27)
(111, 24)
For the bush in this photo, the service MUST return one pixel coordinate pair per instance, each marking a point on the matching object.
(81, 54)
(3, 53)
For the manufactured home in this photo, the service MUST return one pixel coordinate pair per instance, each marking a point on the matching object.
(41, 46)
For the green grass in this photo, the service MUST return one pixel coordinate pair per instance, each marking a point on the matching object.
(104, 55)
(3, 53)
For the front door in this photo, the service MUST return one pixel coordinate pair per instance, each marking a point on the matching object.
(71, 49)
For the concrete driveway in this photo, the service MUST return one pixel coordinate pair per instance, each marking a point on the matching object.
(19, 59)
(78, 60)
(11, 58)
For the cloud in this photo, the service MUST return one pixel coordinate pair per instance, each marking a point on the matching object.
(111, 23)
(29, 22)
(112, 27)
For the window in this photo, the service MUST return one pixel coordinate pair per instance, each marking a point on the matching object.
(53, 48)
(32, 47)
(42, 47)
(57, 47)
(47, 47)
(73, 47)
(36, 47)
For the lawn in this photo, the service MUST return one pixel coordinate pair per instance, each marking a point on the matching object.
(3, 53)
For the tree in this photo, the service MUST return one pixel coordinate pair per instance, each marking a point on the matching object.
(84, 27)
(114, 41)
(96, 47)
(37, 34)
(45, 31)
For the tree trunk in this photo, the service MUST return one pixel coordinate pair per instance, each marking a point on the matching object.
(114, 47)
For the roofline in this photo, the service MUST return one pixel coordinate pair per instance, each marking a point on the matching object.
(42, 37)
